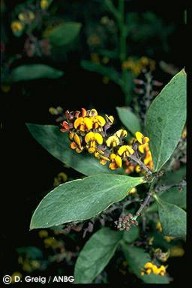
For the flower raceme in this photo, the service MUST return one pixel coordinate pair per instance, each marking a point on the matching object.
(149, 268)
(88, 131)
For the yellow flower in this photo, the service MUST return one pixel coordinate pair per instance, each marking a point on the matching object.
(159, 226)
(92, 112)
(176, 251)
(125, 151)
(109, 119)
(168, 238)
(26, 16)
(113, 141)
(98, 121)
(76, 144)
(92, 139)
(116, 161)
(133, 191)
(44, 4)
(16, 26)
(121, 133)
(43, 233)
(144, 61)
(138, 168)
(83, 124)
(51, 242)
(152, 268)
(99, 154)
(141, 138)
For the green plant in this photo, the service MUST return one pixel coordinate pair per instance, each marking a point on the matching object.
(104, 188)
(114, 43)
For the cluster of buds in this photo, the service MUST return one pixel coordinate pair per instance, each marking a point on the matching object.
(88, 131)
(125, 222)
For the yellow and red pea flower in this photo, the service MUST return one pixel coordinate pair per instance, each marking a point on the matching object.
(87, 130)
(116, 161)
(150, 268)
(76, 143)
(83, 124)
(125, 151)
(92, 139)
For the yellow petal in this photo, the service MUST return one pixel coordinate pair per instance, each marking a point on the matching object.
(138, 169)
(118, 161)
(88, 123)
(148, 265)
(73, 145)
(139, 136)
(112, 166)
(112, 156)
(141, 148)
(89, 136)
(100, 120)
(103, 161)
(110, 119)
(121, 133)
(71, 135)
(122, 149)
(77, 140)
(78, 122)
(145, 139)
(98, 138)
(91, 149)
(93, 112)
(112, 141)
(130, 149)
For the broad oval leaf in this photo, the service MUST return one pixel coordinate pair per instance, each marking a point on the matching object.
(129, 119)
(82, 199)
(136, 258)
(166, 118)
(63, 34)
(131, 235)
(173, 195)
(172, 218)
(57, 144)
(96, 254)
(173, 177)
(34, 71)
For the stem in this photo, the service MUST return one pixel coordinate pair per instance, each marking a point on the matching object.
(122, 40)
(138, 161)
(146, 201)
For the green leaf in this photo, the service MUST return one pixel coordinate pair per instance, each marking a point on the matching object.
(131, 235)
(63, 34)
(57, 144)
(173, 195)
(173, 177)
(166, 118)
(172, 218)
(82, 199)
(129, 119)
(105, 71)
(96, 254)
(136, 258)
(34, 71)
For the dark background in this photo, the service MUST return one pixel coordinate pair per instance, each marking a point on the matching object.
(27, 170)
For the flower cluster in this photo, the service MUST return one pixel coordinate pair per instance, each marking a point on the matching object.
(125, 223)
(88, 131)
(137, 65)
(149, 268)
